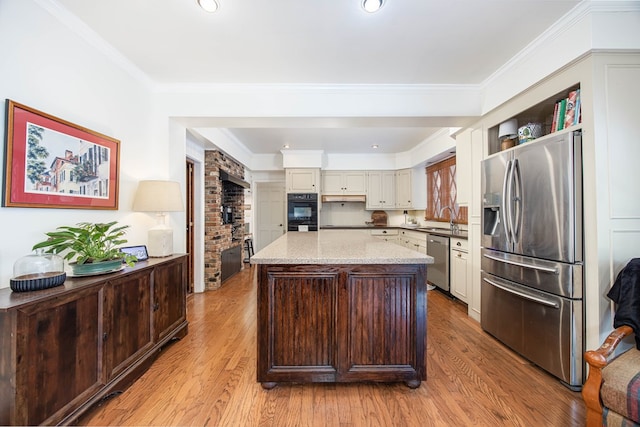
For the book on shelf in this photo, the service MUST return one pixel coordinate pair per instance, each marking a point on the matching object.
(561, 112)
(567, 111)
(554, 123)
(578, 111)
(570, 110)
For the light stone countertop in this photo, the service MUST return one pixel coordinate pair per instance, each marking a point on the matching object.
(336, 247)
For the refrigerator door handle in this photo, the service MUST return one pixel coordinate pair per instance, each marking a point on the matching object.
(523, 295)
(511, 199)
(522, 264)
(516, 197)
(505, 202)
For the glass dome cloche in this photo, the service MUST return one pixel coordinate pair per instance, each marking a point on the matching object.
(37, 271)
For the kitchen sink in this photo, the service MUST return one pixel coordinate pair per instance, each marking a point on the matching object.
(444, 231)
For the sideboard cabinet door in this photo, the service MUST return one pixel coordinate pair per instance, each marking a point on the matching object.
(169, 297)
(58, 355)
(127, 329)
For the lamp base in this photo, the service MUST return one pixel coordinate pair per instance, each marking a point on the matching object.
(507, 143)
(160, 242)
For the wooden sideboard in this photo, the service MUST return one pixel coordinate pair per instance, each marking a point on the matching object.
(64, 349)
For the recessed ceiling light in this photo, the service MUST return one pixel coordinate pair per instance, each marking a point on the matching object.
(372, 5)
(208, 5)
(285, 146)
(374, 146)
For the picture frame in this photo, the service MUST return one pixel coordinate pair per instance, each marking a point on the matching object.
(139, 251)
(53, 163)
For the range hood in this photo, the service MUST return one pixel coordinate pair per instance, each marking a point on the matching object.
(337, 198)
(225, 177)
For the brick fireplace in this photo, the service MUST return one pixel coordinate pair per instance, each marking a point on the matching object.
(218, 236)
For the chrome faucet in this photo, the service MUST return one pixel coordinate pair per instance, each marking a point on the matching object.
(451, 215)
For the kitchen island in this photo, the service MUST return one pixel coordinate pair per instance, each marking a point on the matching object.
(340, 306)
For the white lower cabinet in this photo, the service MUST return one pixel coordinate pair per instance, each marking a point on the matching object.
(386, 234)
(415, 240)
(458, 269)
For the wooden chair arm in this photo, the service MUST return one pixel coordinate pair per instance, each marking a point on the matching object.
(597, 360)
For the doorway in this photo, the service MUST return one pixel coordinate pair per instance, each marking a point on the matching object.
(190, 243)
(270, 213)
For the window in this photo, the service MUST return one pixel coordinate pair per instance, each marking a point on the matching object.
(442, 192)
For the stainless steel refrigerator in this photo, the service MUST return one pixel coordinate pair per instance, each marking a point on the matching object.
(532, 253)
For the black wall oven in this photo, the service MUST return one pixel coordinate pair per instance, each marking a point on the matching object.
(302, 209)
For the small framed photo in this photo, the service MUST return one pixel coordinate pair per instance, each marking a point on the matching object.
(139, 252)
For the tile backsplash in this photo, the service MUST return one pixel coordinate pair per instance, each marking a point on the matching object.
(354, 214)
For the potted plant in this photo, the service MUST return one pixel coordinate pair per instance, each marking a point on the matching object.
(94, 246)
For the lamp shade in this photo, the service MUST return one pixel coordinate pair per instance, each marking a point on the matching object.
(508, 129)
(158, 196)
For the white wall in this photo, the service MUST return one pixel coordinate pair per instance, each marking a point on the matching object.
(49, 68)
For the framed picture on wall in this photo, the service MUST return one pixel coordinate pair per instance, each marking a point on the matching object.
(52, 163)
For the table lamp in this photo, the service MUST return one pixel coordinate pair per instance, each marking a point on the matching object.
(159, 197)
(507, 133)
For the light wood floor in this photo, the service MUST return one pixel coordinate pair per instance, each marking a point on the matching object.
(208, 379)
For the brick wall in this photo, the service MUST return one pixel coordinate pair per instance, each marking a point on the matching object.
(218, 236)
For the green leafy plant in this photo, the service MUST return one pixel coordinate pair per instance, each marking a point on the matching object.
(88, 243)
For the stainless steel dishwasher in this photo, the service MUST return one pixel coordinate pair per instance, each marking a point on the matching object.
(438, 272)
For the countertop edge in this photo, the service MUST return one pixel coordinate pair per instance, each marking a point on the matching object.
(464, 235)
(351, 247)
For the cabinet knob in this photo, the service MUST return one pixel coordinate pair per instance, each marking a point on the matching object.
(458, 244)
(104, 337)
(156, 306)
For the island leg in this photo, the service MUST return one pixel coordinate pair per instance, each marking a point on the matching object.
(268, 385)
(413, 384)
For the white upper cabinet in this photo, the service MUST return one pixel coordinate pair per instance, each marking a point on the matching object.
(304, 180)
(343, 182)
(404, 189)
(381, 190)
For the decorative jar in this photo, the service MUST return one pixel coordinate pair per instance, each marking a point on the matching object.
(529, 132)
(37, 271)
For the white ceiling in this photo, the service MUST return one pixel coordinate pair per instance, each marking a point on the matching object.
(323, 42)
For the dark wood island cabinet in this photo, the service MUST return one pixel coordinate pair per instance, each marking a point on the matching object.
(340, 307)
(64, 349)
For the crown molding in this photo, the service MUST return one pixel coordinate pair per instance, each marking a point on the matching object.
(559, 28)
